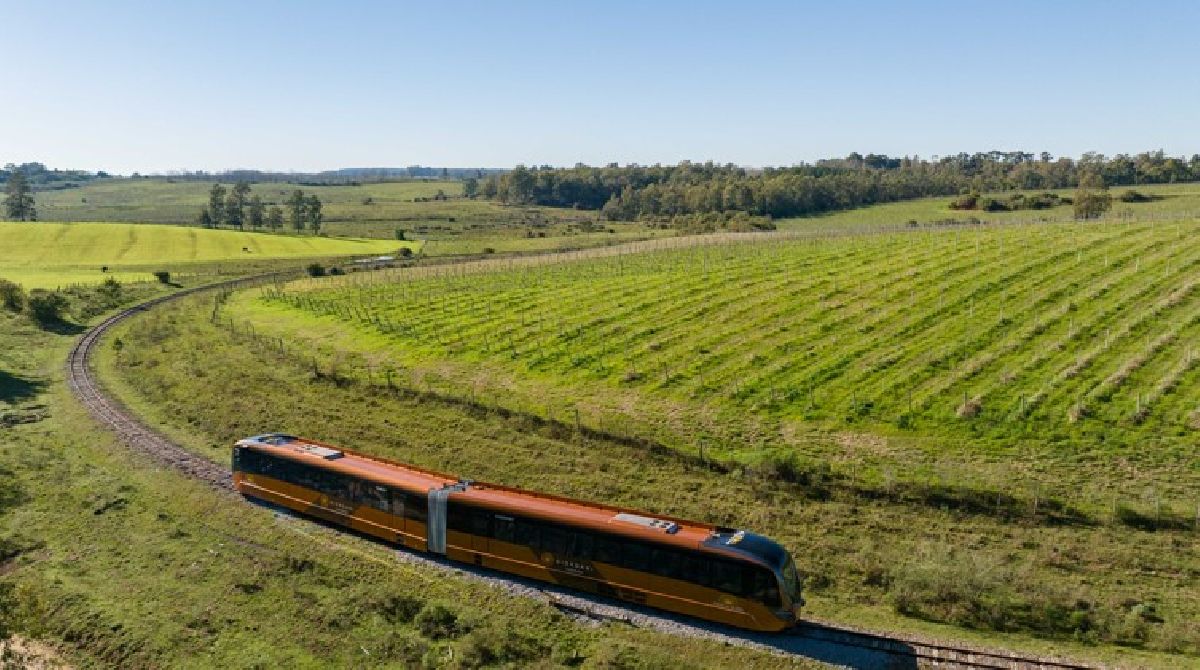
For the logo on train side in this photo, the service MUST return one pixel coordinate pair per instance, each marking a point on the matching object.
(569, 565)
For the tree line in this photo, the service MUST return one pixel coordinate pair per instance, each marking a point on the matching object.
(637, 192)
(236, 208)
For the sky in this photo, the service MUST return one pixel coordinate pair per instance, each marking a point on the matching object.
(159, 86)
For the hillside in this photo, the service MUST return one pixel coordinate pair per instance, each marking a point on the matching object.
(811, 389)
(56, 254)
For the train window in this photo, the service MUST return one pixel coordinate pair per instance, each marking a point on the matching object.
(581, 545)
(607, 549)
(526, 534)
(415, 507)
(554, 540)
(635, 556)
(695, 570)
(457, 517)
(376, 496)
(505, 528)
(761, 586)
(481, 523)
(665, 562)
(727, 577)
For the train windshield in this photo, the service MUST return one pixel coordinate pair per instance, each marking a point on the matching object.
(770, 552)
(791, 583)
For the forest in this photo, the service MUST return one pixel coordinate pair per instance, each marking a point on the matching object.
(637, 192)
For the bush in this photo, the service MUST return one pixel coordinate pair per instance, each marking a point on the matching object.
(493, 645)
(993, 205)
(1091, 204)
(163, 276)
(400, 233)
(437, 621)
(46, 306)
(968, 201)
(1135, 196)
(12, 296)
(336, 271)
(315, 270)
(489, 250)
(110, 288)
(405, 252)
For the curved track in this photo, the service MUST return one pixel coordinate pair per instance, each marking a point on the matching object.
(829, 643)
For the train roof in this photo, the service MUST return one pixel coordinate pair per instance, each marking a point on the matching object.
(655, 528)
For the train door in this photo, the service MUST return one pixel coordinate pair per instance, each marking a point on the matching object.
(436, 538)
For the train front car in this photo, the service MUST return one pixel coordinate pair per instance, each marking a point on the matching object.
(783, 598)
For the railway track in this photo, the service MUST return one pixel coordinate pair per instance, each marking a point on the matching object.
(830, 643)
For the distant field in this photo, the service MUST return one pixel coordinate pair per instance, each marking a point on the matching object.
(1173, 201)
(454, 226)
(57, 254)
(158, 200)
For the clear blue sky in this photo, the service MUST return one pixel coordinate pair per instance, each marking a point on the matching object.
(156, 86)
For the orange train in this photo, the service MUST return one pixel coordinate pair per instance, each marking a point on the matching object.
(725, 575)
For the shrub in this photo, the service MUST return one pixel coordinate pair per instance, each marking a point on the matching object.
(336, 271)
(489, 250)
(110, 288)
(399, 609)
(315, 270)
(163, 276)
(437, 621)
(12, 296)
(968, 201)
(405, 252)
(400, 233)
(46, 306)
(493, 645)
(1090, 205)
(1135, 196)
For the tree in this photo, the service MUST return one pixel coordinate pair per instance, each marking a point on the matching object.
(296, 205)
(234, 215)
(1092, 198)
(12, 296)
(312, 213)
(205, 219)
(19, 204)
(216, 204)
(257, 211)
(46, 306)
(241, 189)
(275, 218)
(520, 186)
(470, 187)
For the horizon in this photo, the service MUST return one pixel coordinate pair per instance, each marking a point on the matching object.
(228, 172)
(299, 87)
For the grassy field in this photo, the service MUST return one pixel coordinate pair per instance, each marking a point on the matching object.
(453, 226)
(897, 557)
(1071, 336)
(46, 255)
(1170, 202)
(116, 562)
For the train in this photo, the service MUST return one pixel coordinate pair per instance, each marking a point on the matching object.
(725, 575)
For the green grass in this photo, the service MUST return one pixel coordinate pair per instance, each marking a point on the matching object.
(453, 227)
(117, 562)
(884, 557)
(1078, 336)
(45, 255)
(1173, 201)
